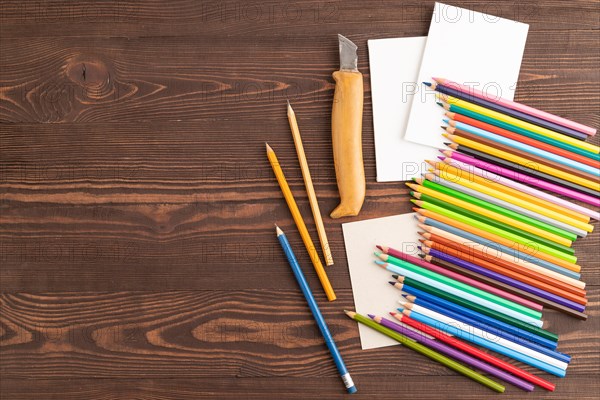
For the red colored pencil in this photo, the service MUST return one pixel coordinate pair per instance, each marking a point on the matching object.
(522, 139)
(474, 351)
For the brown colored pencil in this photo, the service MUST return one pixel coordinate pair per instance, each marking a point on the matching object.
(534, 158)
(503, 286)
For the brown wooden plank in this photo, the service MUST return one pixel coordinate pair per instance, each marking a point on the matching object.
(214, 333)
(388, 386)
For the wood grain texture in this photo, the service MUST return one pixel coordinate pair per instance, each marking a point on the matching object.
(137, 252)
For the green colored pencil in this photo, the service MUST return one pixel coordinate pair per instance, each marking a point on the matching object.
(426, 351)
(460, 285)
(490, 221)
(500, 210)
(480, 309)
(496, 231)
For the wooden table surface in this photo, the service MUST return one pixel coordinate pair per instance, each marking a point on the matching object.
(137, 245)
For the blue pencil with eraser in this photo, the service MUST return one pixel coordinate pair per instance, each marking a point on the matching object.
(314, 308)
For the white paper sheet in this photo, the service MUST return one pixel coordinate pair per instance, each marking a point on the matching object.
(372, 293)
(467, 47)
(394, 65)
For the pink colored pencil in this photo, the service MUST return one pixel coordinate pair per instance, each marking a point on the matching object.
(461, 278)
(519, 107)
(523, 178)
(519, 186)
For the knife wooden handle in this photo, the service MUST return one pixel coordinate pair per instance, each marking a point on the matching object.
(346, 133)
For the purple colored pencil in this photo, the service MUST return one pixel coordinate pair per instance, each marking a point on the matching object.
(454, 353)
(505, 279)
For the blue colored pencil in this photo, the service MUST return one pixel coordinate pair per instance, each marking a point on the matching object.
(419, 294)
(494, 331)
(314, 308)
(488, 344)
(524, 147)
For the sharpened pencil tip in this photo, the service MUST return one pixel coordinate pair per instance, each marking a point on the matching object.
(439, 104)
(393, 314)
(278, 230)
(420, 247)
(441, 158)
(371, 316)
(446, 120)
(443, 127)
(447, 143)
(395, 276)
(428, 84)
(351, 314)
(392, 283)
(268, 147)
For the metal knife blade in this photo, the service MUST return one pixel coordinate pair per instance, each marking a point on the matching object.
(348, 56)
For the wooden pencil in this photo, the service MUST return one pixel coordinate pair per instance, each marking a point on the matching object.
(506, 287)
(566, 289)
(522, 125)
(310, 190)
(591, 184)
(426, 351)
(530, 277)
(308, 243)
(522, 169)
(520, 153)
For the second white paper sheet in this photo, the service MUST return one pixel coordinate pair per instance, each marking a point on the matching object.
(468, 47)
(372, 293)
(394, 65)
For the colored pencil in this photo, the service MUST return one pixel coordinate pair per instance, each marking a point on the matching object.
(467, 348)
(469, 226)
(471, 169)
(473, 330)
(519, 107)
(534, 175)
(523, 132)
(533, 245)
(489, 212)
(529, 276)
(548, 300)
(494, 255)
(461, 293)
(409, 301)
(459, 118)
(455, 126)
(514, 124)
(532, 159)
(588, 183)
(459, 277)
(314, 308)
(445, 229)
(488, 344)
(459, 286)
(415, 295)
(490, 105)
(465, 237)
(453, 352)
(310, 190)
(426, 351)
(520, 177)
(513, 196)
(524, 214)
(494, 315)
(308, 243)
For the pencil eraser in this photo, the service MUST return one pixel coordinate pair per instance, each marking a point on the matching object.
(352, 390)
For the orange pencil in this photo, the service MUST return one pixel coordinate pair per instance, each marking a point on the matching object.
(310, 247)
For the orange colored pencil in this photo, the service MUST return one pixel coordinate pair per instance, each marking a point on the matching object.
(308, 243)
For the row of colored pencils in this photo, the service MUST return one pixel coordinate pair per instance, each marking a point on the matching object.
(498, 214)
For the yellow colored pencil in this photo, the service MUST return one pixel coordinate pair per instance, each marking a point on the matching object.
(310, 247)
(495, 216)
(523, 161)
(310, 190)
(521, 124)
(464, 178)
